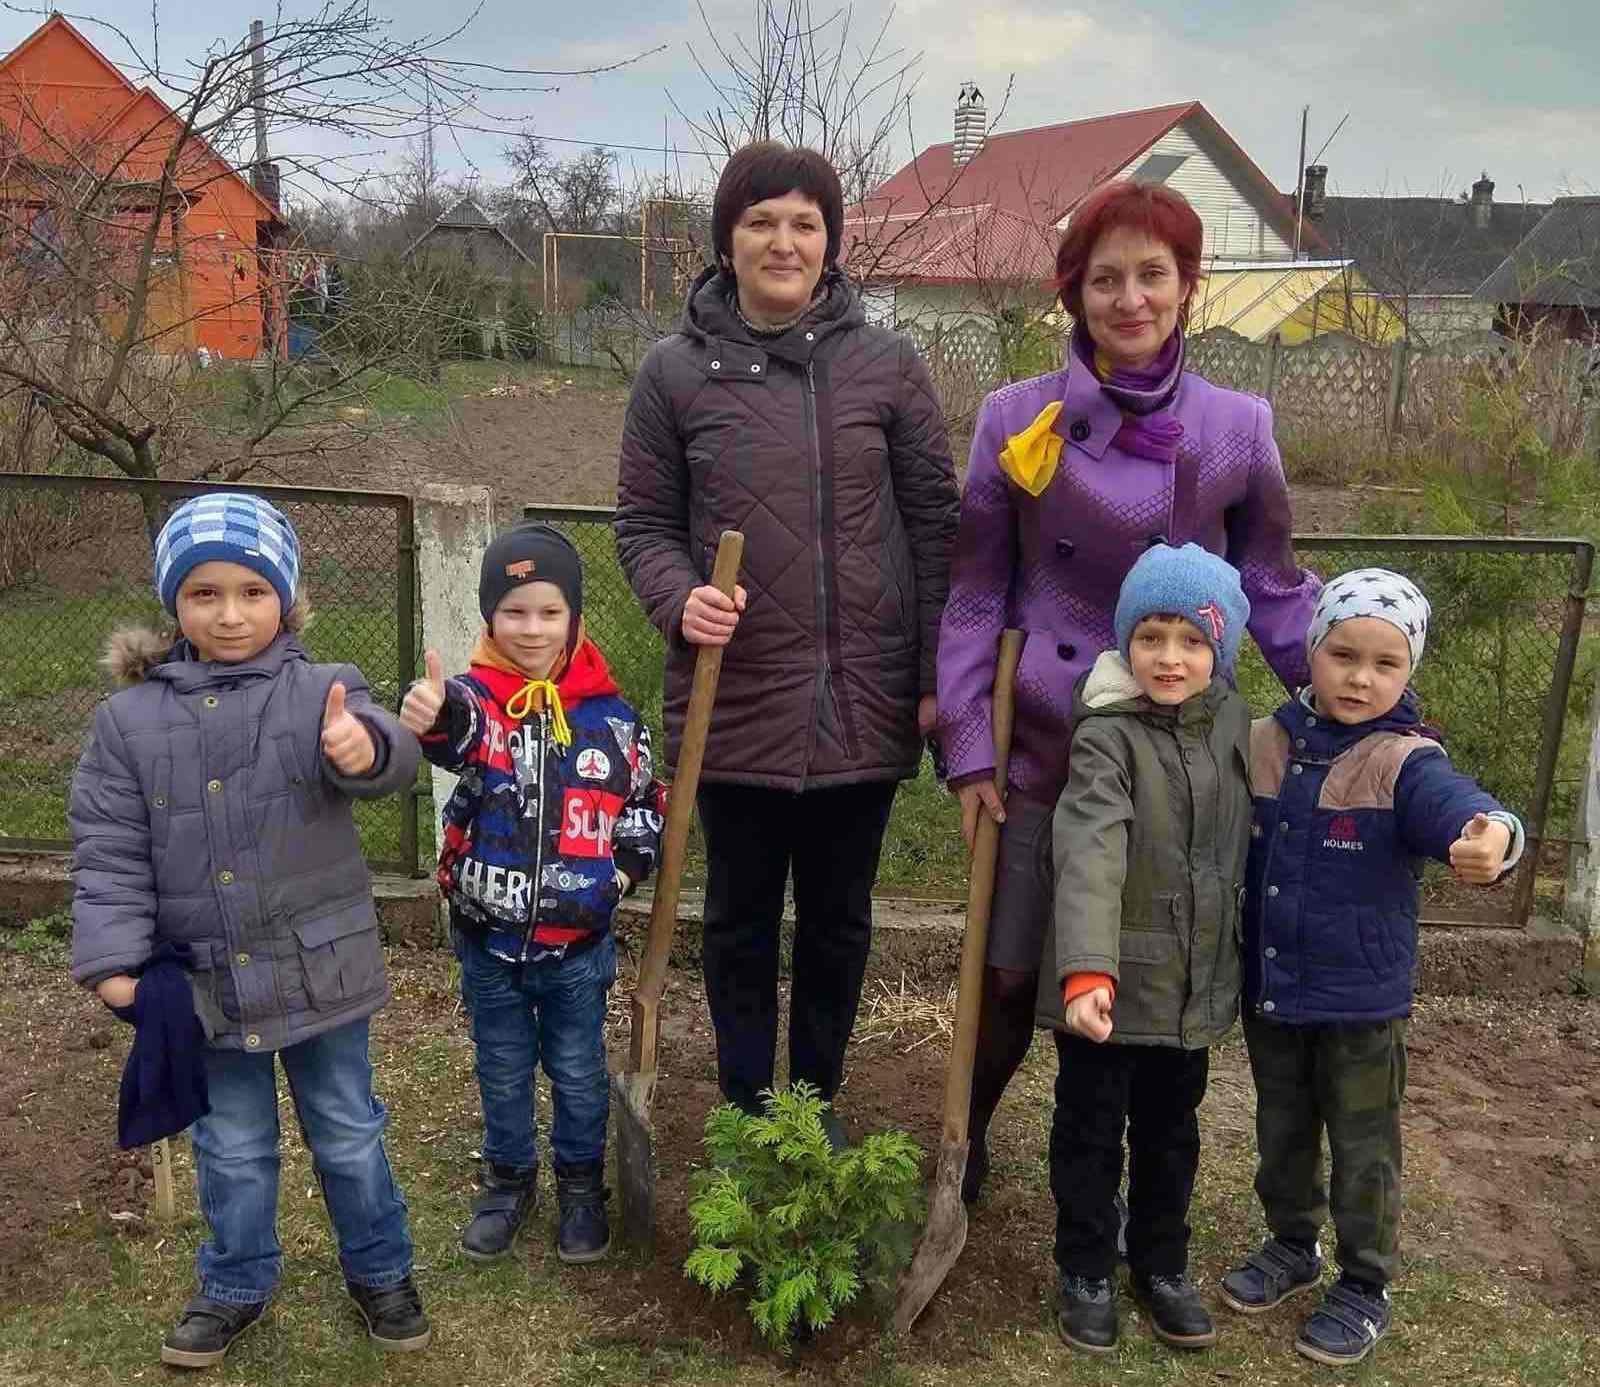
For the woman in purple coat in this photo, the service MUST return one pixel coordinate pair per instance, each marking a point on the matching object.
(1072, 476)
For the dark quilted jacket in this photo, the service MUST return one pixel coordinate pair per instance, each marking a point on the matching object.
(827, 447)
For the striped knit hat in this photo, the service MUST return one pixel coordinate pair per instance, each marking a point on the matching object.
(230, 527)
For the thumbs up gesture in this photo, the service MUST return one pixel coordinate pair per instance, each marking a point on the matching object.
(345, 739)
(1478, 854)
(425, 699)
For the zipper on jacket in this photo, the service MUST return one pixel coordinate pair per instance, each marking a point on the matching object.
(826, 684)
(537, 884)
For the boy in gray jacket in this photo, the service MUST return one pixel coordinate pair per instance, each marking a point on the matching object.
(211, 818)
(1150, 840)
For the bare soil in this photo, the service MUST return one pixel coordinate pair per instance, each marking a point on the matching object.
(1502, 1125)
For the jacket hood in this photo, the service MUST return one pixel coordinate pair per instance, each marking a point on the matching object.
(586, 674)
(1109, 687)
(709, 312)
(136, 654)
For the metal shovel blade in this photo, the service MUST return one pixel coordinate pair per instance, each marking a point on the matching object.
(942, 1240)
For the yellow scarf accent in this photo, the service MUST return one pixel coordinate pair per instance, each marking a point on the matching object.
(1030, 457)
(533, 695)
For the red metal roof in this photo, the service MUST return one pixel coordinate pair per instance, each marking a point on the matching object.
(1032, 177)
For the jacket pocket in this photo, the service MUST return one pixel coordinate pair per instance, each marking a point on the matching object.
(341, 955)
(1151, 984)
(300, 785)
(160, 802)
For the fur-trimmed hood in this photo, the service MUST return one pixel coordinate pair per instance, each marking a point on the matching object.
(133, 651)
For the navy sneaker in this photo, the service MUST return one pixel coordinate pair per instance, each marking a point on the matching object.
(504, 1200)
(581, 1194)
(1269, 1277)
(1352, 1318)
(1086, 1313)
(393, 1314)
(205, 1331)
(1177, 1314)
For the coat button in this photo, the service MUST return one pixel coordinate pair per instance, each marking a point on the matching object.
(1065, 548)
(160, 801)
(1272, 890)
(241, 959)
(1296, 768)
(1271, 952)
(1155, 540)
(214, 786)
(211, 700)
(1269, 1006)
(225, 877)
(1311, 722)
(1066, 651)
(1300, 743)
(1283, 825)
(253, 1041)
(716, 365)
(1080, 430)
(755, 368)
(811, 337)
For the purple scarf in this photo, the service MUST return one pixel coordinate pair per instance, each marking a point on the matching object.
(1148, 428)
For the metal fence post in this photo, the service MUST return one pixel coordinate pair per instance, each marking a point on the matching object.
(1583, 869)
(406, 649)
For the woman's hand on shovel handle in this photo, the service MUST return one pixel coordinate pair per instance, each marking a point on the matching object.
(709, 616)
(981, 795)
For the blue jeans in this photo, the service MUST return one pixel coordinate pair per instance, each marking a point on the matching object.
(236, 1165)
(552, 1011)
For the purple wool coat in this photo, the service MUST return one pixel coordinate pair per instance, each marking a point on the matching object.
(1053, 564)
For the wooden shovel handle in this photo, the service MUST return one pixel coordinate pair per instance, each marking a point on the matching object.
(980, 893)
(680, 813)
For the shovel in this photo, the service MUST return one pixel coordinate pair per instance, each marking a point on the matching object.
(946, 1233)
(633, 1089)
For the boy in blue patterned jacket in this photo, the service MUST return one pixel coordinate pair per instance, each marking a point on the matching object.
(557, 815)
(1350, 794)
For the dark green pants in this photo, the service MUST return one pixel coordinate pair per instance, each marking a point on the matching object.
(1347, 1080)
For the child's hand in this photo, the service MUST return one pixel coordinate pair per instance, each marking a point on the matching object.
(117, 991)
(345, 739)
(1478, 854)
(1089, 1015)
(425, 698)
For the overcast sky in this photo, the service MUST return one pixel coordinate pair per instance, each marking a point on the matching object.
(1436, 90)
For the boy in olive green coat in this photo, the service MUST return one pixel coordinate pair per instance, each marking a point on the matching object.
(1140, 972)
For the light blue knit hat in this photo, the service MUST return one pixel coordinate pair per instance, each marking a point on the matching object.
(233, 527)
(1190, 582)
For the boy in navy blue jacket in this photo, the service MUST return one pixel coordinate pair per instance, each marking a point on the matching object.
(1349, 794)
(556, 816)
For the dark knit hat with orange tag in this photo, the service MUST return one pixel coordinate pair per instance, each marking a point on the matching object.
(530, 553)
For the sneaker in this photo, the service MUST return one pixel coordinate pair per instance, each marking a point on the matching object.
(393, 1314)
(504, 1200)
(205, 1331)
(977, 1170)
(1177, 1314)
(1269, 1277)
(1086, 1313)
(585, 1233)
(1352, 1318)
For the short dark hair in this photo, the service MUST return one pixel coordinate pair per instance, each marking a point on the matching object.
(771, 169)
(1160, 212)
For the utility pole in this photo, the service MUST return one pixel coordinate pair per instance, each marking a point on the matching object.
(1300, 182)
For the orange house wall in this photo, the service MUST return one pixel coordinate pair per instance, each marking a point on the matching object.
(57, 78)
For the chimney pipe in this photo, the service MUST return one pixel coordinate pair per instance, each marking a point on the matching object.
(972, 125)
(263, 174)
(1482, 202)
(1315, 190)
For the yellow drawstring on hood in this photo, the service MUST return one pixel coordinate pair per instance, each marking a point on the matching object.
(534, 695)
(1030, 457)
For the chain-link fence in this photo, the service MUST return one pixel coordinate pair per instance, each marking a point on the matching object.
(1496, 680)
(88, 570)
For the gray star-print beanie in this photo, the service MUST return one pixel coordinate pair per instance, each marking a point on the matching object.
(1373, 592)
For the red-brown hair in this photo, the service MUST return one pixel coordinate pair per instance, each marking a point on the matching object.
(1153, 208)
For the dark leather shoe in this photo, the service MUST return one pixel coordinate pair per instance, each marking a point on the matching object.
(1177, 1314)
(1086, 1313)
(504, 1200)
(585, 1232)
(205, 1331)
(393, 1314)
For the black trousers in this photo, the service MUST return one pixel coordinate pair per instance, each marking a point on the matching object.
(831, 838)
(1154, 1091)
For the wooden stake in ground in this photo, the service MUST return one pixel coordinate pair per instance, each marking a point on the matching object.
(946, 1233)
(633, 1089)
(161, 1168)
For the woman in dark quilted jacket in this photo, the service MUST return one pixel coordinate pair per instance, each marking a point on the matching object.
(776, 410)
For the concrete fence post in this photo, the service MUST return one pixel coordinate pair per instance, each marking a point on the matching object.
(1583, 869)
(453, 527)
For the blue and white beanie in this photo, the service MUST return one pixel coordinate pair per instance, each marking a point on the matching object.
(1190, 582)
(230, 527)
(1375, 592)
